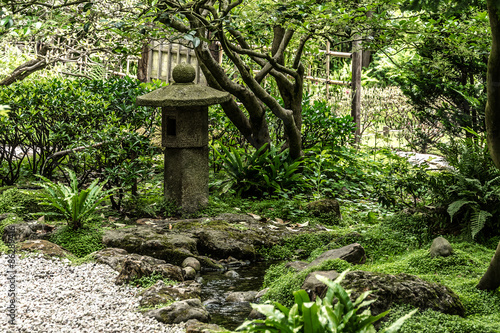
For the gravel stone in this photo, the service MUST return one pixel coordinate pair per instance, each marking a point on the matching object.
(52, 296)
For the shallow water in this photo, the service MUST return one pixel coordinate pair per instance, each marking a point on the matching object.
(215, 286)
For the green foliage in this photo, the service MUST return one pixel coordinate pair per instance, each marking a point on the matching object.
(94, 127)
(149, 280)
(79, 242)
(262, 173)
(322, 127)
(73, 205)
(471, 191)
(321, 315)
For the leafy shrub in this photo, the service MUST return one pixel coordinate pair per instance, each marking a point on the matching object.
(471, 190)
(80, 242)
(320, 316)
(322, 127)
(261, 173)
(74, 205)
(91, 126)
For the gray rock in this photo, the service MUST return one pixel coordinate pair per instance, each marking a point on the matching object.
(353, 253)
(297, 265)
(440, 248)
(400, 289)
(194, 326)
(313, 286)
(261, 293)
(232, 274)
(135, 269)
(181, 311)
(241, 296)
(42, 246)
(189, 273)
(160, 293)
(20, 232)
(115, 258)
(254, 314)
(192, 262)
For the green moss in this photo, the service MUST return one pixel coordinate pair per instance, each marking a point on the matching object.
(147, 281)
(79, 242)
(304, 243)
(430, 321)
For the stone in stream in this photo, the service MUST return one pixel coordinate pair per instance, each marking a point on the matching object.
(195, 326)
(241, 296)
(181, 311)
(135, 269)
(232, 274)
(161, 293)
(189, 273)
(191, 262)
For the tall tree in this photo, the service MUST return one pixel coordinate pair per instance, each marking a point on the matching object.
(491, 279)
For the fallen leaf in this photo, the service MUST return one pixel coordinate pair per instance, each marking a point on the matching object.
(280, 220)
(292, 229)
(305, 224)
(257, 217)
(120, 224)
(41, 219)
(169, 226)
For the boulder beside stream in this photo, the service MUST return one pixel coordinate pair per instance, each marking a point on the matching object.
(393, 289)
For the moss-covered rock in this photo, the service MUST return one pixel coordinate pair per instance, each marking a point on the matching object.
(402, 289)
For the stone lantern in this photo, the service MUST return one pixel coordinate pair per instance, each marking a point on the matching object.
(185, 135)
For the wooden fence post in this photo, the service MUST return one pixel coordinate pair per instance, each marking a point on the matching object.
(357, 58)
(327, 70)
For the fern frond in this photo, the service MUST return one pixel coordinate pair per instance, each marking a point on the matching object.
(455, 206)
(478, 220)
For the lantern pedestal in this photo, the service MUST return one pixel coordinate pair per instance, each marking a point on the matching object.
(185, 136)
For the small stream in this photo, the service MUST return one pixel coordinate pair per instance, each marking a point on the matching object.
(215, 286)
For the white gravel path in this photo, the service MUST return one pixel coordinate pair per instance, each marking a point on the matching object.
(52, 296)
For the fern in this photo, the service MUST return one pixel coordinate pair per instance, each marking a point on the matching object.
(478, 220)
(455, 206)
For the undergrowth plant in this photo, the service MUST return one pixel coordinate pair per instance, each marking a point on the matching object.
(471, 190)
(266, 171)
(320, 316)
(71, 203)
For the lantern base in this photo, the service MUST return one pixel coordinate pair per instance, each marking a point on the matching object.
(186, 177)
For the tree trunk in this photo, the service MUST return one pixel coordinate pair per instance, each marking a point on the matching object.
(491, 279)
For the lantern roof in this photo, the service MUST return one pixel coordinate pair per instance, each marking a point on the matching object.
(183, 92)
